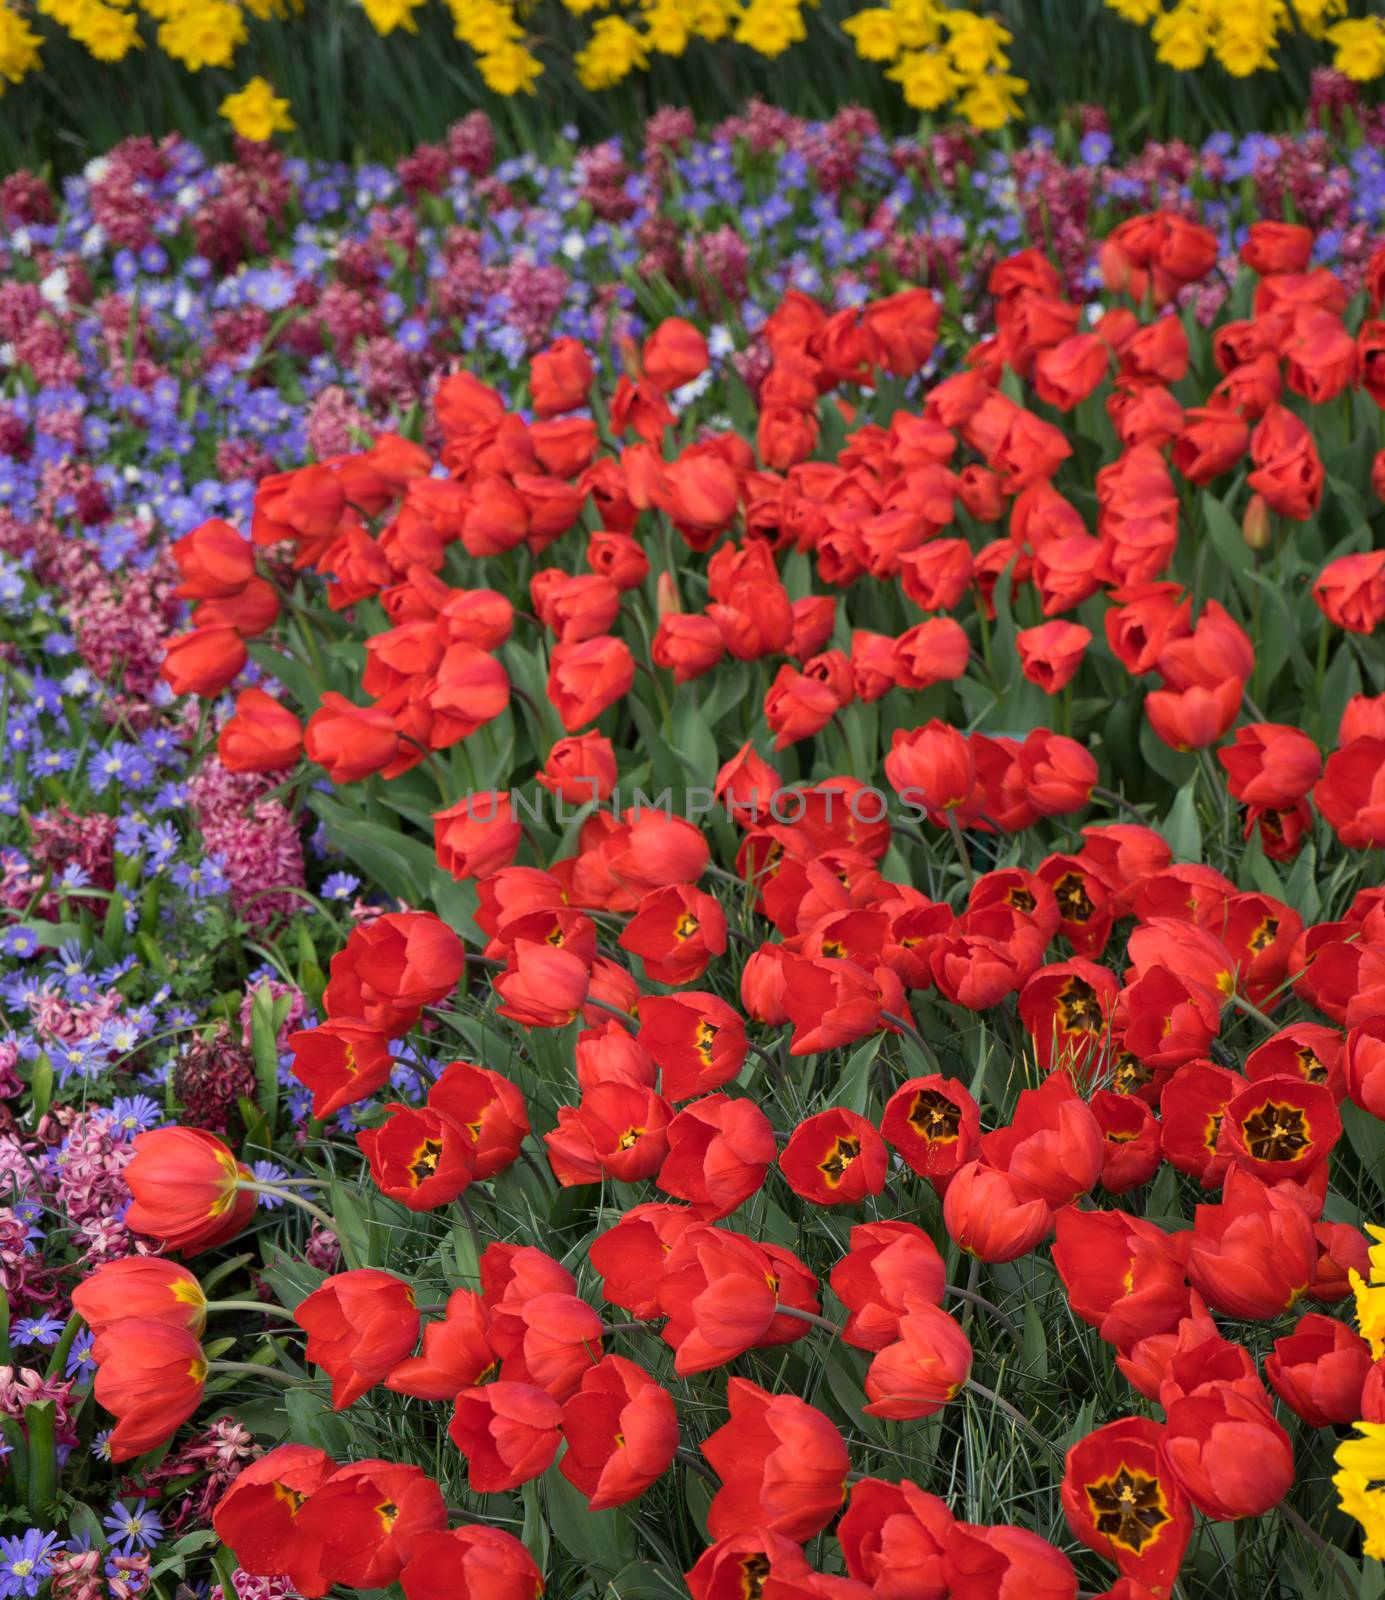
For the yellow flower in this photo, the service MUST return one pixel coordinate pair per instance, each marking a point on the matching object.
(1182, 39)
(1313, 14)
(204, 35)
(109, 34)
(976, 42)
(1360, 48)
(1370, 1311)
(990, 102)
(926, 77)
(1137, 11)
(876, 32)
(916, 23)
(490, 29)
(387, 15)
(19, 47)
(665, 29)
(1243, 52)
(509, 69)
(709, 19)
(1362, 1463)
(1376, 1253)
(256, 111)
(614, 50)
(769, 27)
(265, 9)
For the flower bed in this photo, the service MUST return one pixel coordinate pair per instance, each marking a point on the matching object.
(737, 935)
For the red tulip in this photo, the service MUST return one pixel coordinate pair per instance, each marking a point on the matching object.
(1122, 1499)
(1230, 1455)
(889, 1266)
(488, 1107)
(262, 735)
(185, 1187)
(418, 1156)
(1319, 1370)
(456, 1352)
(925, 1368)
(392, 967)
(992, 1216)
(1253, 1255)
(834, 1158)
(367, 1517)
(893, 1536)
(144, 1287)
(258, 1517)
(149, 1376)
(508, 1432)
(203, 662)
(470, 1563)
(341, 1061)
(781, 1463)
(621, 1430)
(359, 1324)
(1122, 1274)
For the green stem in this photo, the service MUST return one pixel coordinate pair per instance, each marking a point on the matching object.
(285, 1378)
(293, 1199)
(959, 844)
(807, 1316)
(262, 1306)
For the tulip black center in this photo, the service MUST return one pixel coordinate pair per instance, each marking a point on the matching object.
(845, 1148)
(1073, 900)
(1129, 1073)
(1078, 1007)
(1276, 1132)
(425, 1162)
(1313, 1070)
(934, 1117)
(1128, 1508)
(754, 1571)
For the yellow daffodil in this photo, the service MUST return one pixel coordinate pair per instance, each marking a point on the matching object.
(876, 32)
(926, 77)
(769, 27)
(1359, 47)
(991, 101)
(509, 69)
(387, 15)
(614, 50)
(1361, 1483)
(256, 112)
(19, 48)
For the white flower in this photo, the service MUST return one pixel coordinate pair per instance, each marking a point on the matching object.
(54, 288)
(720, 344)
(685, 396)
(21, 242)
(96, 169)
(574, 245)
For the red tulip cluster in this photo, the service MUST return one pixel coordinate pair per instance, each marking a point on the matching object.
(699, 998)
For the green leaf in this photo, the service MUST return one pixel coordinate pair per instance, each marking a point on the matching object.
(601, 1540)
(351, 1226)
(1181, 827)
(265, 1049)
(40, 1421)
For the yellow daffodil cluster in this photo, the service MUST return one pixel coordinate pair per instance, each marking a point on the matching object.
(941, 56)
(1360, 1479)
(1244, 35)
(19, 46)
